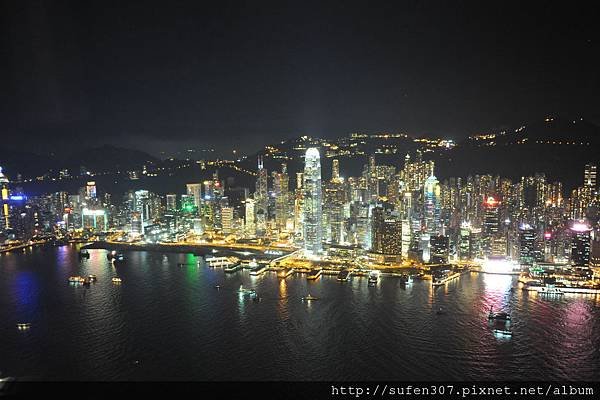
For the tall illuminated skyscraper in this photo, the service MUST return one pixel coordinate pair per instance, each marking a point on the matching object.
(4, 195)
(261, 196)
(281, 192)
(313, 200)
(432, 197)
(589, 176)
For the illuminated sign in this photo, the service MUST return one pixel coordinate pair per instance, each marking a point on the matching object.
(18, 197)
(93, 212)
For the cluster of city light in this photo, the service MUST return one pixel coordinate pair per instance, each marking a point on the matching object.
(499, 266)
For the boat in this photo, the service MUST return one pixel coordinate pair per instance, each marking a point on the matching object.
(23, 326)
(550, 290)
(406, 279)
(217, 286)
(309, 298)
(373, 277)
(503, 332)
(343, 275)
(87, 281)
(76, 279)
(499, 316)
(439, 311)
(247, 292)
(92, 278)
(84, 254)
(116, 280)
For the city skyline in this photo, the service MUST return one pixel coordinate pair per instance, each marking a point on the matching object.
(306, 199)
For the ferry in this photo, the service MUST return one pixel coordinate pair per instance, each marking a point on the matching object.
(116, 280)
(503, 332)
(309, 298)
(221, 261)
(499, 316)
(23, 326)
(76, 279)
(343, 275)
(314, 274)
(552, 289)
(115, 257)
(84, 254)
(247, 292)
(373, 277)
(284, 273)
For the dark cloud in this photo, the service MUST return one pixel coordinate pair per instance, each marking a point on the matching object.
(161, 76)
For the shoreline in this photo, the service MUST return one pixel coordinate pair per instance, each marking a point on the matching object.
(198, 250)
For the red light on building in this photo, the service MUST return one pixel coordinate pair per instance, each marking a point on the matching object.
(491, 202)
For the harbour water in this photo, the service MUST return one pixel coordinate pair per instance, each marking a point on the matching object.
(167, 321)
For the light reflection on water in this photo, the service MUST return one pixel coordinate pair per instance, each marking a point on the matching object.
(171, 320)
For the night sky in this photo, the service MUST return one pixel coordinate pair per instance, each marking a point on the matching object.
(171, 75)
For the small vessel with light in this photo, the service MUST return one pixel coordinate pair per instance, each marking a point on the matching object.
(84, 254)
(498, 316)
(116, 280)
(310, 298)
(76, 280)
(503, 332)
(373, 277)
(24, 326)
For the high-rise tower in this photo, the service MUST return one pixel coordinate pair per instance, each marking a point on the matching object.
(313, 213)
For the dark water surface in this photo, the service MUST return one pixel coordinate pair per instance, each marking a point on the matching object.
(168, 322)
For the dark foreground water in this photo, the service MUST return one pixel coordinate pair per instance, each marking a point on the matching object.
(168, 322)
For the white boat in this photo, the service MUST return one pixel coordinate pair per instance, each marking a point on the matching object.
(550, 290)
(373, 277)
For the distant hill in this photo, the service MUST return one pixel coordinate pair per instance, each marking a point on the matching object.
(98, 159)
(557, 147)
(108, 158)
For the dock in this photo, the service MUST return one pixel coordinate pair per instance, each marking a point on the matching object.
(258, 270)
(343, 275)
(285, 272)
(450, 277)
(314, 274)
(232, 268)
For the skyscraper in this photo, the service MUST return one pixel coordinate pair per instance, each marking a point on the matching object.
(589, 176)
(4, 196)
(250, 224)
(261, 196)
(526, 244)
(431, 196)
(580, 244)
(281, 192)
(313, 227)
